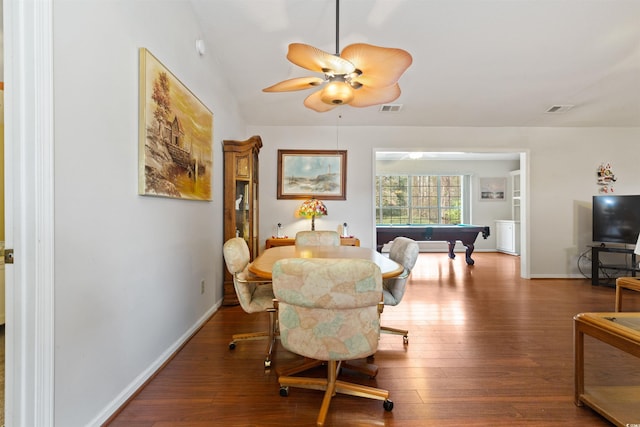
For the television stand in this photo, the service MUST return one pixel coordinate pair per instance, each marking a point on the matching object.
(596, 267)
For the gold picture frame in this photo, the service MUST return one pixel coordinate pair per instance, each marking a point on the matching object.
(175, 136)
(312, 173)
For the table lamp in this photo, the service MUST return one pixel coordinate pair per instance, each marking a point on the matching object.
(312, 208)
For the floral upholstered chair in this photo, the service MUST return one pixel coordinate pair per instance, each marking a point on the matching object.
(405, 252)
(329, 309)
(317, 238)
(254, 294)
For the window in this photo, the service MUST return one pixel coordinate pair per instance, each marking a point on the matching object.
(420, 199)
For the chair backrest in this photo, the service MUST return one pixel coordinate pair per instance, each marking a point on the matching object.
(317, 238)
(236, 254)
(405, 252)
(236, 257)
(328, 308)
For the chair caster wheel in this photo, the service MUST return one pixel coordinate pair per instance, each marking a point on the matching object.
(232, 345)
(405, 339)
(267, 363)
(388, 405)
(284, 392)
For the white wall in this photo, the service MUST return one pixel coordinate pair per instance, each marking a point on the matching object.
(127, 268)
(563, 180)
(562, 166)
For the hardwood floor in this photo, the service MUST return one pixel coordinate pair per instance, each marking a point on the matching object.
(486, 348)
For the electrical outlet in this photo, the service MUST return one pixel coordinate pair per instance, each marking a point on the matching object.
(202, 287)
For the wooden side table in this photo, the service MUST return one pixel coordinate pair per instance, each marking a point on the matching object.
(620, 404)
(279, 241)
(288, 241)
(631, 283)
(349, 241)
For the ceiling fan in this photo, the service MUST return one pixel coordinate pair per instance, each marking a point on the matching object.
(361, 75)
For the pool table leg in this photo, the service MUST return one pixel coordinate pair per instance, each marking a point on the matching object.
(452, 246)
(470, 248)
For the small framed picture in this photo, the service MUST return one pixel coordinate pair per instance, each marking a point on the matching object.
(493, 189)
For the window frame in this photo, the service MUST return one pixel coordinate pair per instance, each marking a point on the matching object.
(465, 206)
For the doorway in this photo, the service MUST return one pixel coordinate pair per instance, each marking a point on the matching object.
(27, 35)
(451, 162)
(2, 298)
(2, 279)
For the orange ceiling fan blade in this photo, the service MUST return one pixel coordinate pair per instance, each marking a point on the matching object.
(314, 102)
(299, 83)
(380, 66)
(366, 96)
(314, 59)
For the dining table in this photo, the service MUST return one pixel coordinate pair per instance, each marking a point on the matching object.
(263, 264)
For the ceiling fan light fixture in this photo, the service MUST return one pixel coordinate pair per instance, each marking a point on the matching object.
(361, 75)
(337, 92)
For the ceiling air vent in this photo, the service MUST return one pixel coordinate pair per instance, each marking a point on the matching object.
(390, 108)
(559, 108)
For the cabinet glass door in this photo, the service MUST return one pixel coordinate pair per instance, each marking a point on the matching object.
(242, 209)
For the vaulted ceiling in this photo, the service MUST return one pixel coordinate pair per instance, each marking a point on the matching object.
(475, 62)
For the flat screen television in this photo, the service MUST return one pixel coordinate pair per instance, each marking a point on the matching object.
(616, 219)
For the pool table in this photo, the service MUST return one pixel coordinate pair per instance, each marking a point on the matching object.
(466, 233)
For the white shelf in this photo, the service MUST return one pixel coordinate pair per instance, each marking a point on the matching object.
(508, 231)
(515, 195)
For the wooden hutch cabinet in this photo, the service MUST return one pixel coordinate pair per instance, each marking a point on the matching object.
(240, 200)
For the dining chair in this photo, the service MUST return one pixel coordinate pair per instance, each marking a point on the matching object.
(329, 310)
(317, 238)
(405, 252)
(254, 294)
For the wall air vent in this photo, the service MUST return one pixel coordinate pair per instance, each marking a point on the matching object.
(390, 108)
(559, 108)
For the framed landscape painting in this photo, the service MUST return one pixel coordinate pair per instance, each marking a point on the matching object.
(318, 173)
(493, 189)
(175, 136)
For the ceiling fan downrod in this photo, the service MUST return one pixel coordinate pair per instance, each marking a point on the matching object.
(337, 27)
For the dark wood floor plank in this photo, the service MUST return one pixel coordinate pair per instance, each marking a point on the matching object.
(486, 349)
